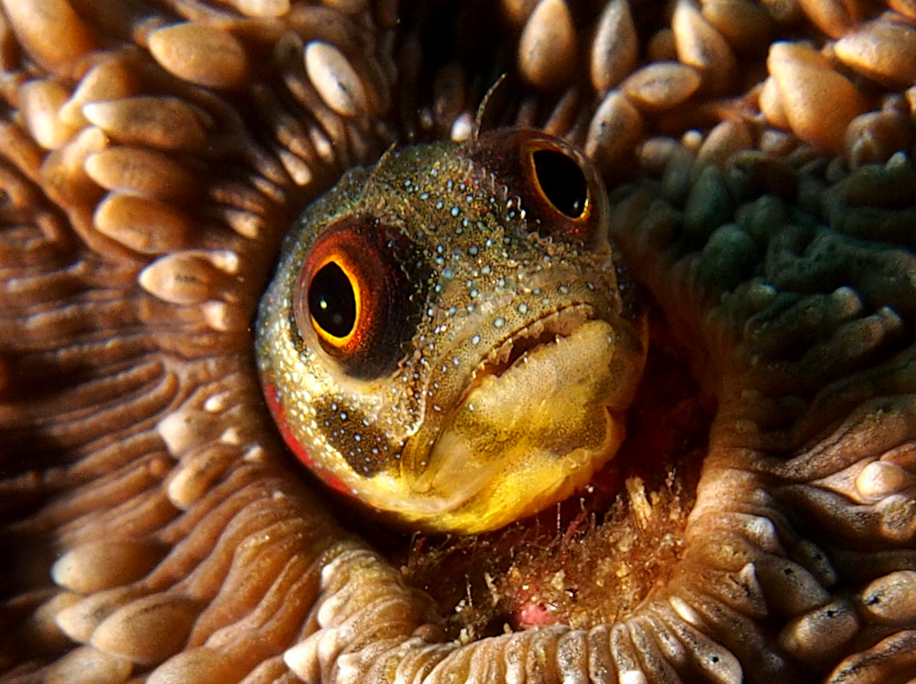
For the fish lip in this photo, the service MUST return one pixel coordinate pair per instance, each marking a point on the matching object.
(559, 327)
(543, 331)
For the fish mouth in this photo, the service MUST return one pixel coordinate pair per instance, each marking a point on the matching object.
(541, 411)
(518, 347)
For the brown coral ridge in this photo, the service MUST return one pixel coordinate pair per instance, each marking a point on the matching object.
(152, 528)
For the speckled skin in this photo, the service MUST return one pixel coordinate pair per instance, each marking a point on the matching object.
(429, 434)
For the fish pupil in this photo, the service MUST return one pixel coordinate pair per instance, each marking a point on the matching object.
(562, 181)
(332, 302)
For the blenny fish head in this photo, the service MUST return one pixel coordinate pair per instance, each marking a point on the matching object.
(448, 337)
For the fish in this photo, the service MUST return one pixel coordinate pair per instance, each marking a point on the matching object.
(445, 339)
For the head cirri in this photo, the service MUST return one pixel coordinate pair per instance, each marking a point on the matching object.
(445, 338)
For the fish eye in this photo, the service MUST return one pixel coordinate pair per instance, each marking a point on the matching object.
(351, 296)
(558, 187)
(334, 303)
(561, 181)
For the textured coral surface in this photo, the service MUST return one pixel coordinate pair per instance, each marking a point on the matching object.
(759, 163)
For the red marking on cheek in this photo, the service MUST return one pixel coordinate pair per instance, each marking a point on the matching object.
(279, 415)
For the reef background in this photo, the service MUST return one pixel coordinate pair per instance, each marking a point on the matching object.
(152, 154)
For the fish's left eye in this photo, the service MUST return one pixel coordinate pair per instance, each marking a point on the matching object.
(561, 181)
(351, 297)
(558, 187)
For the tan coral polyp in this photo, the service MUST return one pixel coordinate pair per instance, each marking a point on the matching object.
(818, 102)
(200, 53)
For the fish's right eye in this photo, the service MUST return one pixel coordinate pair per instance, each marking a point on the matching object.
(351, 296)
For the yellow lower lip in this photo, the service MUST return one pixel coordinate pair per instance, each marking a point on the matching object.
(531, 436)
